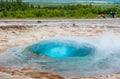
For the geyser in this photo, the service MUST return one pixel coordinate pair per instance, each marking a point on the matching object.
(61, 49)
(68, 57)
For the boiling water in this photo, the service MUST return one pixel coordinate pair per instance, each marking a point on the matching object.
(68, 57)
(60, 49)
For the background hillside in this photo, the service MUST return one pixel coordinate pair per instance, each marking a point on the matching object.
(58, 9)
(71, 0)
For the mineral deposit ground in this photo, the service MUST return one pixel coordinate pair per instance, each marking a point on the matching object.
(15, 33)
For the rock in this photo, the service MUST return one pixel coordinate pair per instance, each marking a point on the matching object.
(39, 22)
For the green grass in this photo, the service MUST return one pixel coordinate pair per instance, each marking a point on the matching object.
(53, 10)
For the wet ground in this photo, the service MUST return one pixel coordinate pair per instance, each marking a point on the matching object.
(59, 22)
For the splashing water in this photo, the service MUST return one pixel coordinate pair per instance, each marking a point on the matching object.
(69, 57)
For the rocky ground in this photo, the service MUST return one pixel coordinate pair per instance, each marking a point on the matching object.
(16, 35)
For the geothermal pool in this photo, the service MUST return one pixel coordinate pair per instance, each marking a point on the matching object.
(78, 57)
(60, 49)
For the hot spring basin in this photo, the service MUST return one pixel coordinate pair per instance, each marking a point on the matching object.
(69, 58)
(61, 49)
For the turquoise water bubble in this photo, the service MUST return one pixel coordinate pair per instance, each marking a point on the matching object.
(61, 49)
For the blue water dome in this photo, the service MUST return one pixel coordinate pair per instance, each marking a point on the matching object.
(60, 49)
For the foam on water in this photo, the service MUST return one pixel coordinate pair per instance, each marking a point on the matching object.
(69, 57)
